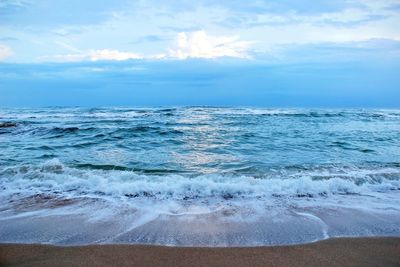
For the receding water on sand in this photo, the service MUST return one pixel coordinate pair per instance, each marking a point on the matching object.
(227, 224)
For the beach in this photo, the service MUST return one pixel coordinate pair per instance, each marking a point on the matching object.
(199, 186)
(332, 252)
(200, 133)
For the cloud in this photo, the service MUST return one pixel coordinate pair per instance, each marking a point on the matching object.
(195, 44)
(94, 55)
(47, 14)
(269, 23)
(200, 45)
(8, 39)
(5, 52)
(106, 54)
(12, 4)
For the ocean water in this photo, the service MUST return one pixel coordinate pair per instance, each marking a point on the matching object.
(198, 176)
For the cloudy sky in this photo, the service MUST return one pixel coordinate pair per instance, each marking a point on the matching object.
(265, 52)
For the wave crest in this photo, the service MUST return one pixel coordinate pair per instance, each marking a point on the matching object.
(55, 178)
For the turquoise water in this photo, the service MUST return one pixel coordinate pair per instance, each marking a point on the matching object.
(179, 176)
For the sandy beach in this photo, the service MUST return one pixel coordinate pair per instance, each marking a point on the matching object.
(333, 252)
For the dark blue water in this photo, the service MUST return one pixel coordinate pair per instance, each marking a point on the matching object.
(200, 168)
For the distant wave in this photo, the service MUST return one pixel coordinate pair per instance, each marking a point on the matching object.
(126, 113)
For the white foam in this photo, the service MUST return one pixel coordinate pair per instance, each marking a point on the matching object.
(184, 210)
(53, 176)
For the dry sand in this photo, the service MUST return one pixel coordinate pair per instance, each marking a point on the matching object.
(333, 252)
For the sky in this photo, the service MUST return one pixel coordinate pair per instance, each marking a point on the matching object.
(272, 53)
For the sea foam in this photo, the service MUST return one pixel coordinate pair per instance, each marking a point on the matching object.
(53, 177)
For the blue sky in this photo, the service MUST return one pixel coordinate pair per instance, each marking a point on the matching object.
(262, 53)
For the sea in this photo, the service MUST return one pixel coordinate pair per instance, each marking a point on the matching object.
(197, 176)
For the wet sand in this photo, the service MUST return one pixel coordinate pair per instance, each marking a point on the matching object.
(332, 252)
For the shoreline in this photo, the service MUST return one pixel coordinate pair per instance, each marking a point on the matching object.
(362, 251)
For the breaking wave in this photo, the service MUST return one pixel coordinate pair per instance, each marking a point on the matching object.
(53, 177)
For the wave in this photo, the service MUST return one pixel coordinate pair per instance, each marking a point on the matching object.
(126, 113)
(147, 129)
(296, 205)
(65, 130)
(372, 114)
(55, 178)
(7, 124)
(52, 132)
(111, 167)
(59, 131)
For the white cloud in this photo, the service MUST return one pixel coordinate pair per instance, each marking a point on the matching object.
(106, 54)
(5, 52)
(200, 45)
(269, 23)
(188, 45)
(94, 55)
(64, 58)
